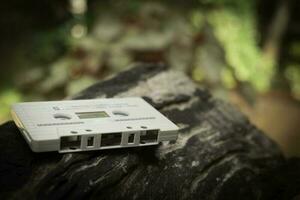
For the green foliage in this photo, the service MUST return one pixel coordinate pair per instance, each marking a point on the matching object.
(7, 98)
(234, 4)
(215, 41)
(236, 31)
(48, 46)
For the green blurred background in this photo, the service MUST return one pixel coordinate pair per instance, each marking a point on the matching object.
(246, 52)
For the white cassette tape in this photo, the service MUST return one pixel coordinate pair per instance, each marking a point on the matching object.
(82, 125)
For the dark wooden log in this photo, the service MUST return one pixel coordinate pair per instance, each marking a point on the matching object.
(287, 180)
(219, 154)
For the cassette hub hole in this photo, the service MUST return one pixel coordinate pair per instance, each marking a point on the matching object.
(62, 116)
(90, 141)
(131, 138)
(149, 136)
(70, 142)
(111, 139)
(120, 113)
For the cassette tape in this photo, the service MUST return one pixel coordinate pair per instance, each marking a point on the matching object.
(83, 125)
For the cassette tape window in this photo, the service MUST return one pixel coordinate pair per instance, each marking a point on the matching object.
(92, 115)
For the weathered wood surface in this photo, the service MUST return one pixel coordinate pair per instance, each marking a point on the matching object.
(218, 155)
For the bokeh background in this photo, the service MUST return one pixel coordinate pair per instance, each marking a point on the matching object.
(246, 52)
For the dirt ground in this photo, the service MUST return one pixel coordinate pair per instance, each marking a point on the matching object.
(278, 115)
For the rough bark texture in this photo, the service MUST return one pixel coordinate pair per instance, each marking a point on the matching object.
(218, 155)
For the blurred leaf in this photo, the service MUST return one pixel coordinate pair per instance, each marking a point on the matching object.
(292, 73)
(59, 75)
(236, 31)
(7, 98)
(295, 49)
(77, 85)
(227, 78)
(198, 74)
(197, 19)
